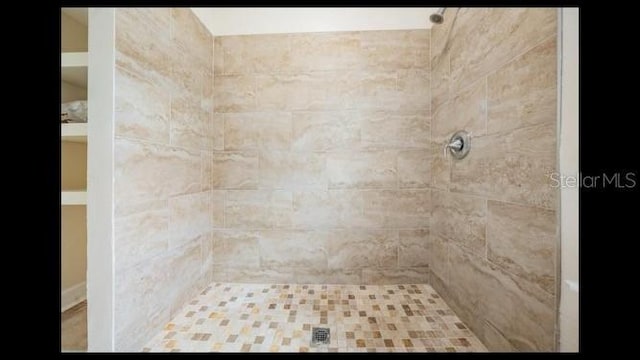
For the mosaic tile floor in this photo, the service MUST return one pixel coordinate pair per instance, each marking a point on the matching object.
(278, 318)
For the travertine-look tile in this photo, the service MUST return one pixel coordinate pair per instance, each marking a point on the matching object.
(441, 34)
(414, 168)
(470, 110)
(524, 92)
(216, 207)
(186, 280)
(258, 209)
(327, 276)
(440, 81)
(413, 250)
(236, 248)
(324, 51)
(141, 105)
(326, 130)
(189, 218)
(135, 162)
(438, 256)
(255, 54)
(370, 169)
(309, 247)
(235, 170)
(398, 91)
(350, 249)
(497, 35)
(327, 209)
(514, 166)
(395, 276)
(206, 261)
(393, 50)
(216, 130)
(522, 315)
(522, 240)
(141, 235)
(206, 170)
(191, 35)
(397, 208)
(292, 170)
(234, 93)
(253, 131)
(461, 219)
(383, 130)
(319, 90)
(189, 123)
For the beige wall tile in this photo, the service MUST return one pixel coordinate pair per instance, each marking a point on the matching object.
(414, 275)
(470, 110)
(258, 209)
(327, 276)
(413, 250)
(254, 54)
(324, 51)
(235, 248)
(440, 166)
(142, 235)
(404, 91)
(189, 123)
(322, 90)
(497, 35)
(441, 130)
(137, 163)
(206, 261)
(522, 240)
(352, 249)
(461, 219)
(191, 35)
(397, 209)
(253, 131)
(370, 169)
(292, 170)
(524, 92)
(189, 218)
(216, 207)
(393, 50)
(216, 130)
(440, 81)
(414, 168)
(327, 209)
(235, 170)
(383, 130)
(234, 93)
(441, 34)
(277, 246)
(248, 275)
(325, 130)
(514, 166)
(206, 161)
(186, 281)
(141, 105)
(438, 257)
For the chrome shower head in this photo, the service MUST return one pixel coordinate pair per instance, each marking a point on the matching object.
(437, 17)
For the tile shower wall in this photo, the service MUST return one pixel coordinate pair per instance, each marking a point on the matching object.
(321, 163)
(163, 144)
(492, 248)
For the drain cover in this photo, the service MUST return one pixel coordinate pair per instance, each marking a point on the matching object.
(320, 336)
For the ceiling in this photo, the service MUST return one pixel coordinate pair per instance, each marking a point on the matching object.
(244, 21)
(78, 14)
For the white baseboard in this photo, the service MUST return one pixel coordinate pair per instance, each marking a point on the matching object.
(74, 295)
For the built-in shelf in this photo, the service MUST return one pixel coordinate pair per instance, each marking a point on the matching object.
(74, 68)
(74, 132)
(74, 197)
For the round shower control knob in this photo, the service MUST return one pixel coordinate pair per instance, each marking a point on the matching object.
(459, 144)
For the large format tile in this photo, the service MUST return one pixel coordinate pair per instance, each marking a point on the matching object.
(413, 275)
(327, 209)
(523, 240)
(254, 131)
(438, 257)
(276, 248)
(524, 92)
(292, 170)
(413, 250)
(235, 170)
(178, 171)
(352, 249)
(255, 54)
(325, 51)
(234, 93)
(236, 248)
(514, 166)
(414, 168)
(486, 38)
(258, 209)
(186, 280)
(371, 169)
(397, 209)
(393, 50)
(189, 218)
(189, 123)
(383, 130)
(461, 219)
(406, 91)
(325, 130)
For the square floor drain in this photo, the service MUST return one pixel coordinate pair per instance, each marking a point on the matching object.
(320, 336)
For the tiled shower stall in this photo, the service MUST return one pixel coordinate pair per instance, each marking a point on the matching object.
(279, 164)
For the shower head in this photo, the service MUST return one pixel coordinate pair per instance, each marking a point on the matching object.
(437, 17)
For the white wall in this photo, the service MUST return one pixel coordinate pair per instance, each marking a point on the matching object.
(569, 197)
(242, 21)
